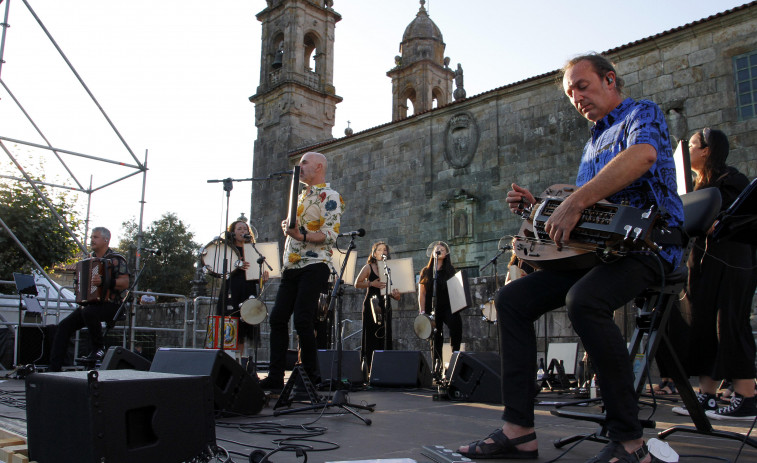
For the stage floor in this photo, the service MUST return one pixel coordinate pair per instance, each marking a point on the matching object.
(406, 420)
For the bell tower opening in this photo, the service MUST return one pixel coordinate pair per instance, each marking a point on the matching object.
(421, 67)
(295, 101)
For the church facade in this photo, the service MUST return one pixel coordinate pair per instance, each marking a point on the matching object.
(444, 172)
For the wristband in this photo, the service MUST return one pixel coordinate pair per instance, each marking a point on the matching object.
(304, 236)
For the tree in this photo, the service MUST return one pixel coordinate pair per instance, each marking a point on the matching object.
(35, 226)
(172, 271)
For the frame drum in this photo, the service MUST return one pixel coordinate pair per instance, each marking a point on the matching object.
(253, 311)
(489, 311)
(424, 326)
(212, 257)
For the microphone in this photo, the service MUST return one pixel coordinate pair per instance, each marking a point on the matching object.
(247, 236)
(383, 256)
(155, 251)
(438, 253)
(358, 232)
(506, 247)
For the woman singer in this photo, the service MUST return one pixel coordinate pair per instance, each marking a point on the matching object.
(443, 314)
(376, 332)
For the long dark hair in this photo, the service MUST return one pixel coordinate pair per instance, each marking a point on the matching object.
(372, 259)
(714, 164)
(234, 225)
(446, 272)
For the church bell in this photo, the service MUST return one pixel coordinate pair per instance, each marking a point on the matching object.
(277, 59)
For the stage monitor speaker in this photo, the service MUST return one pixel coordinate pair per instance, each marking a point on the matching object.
(397, 368)
(118, 416)
(234, 390)
(119, 358)
(351, 370)
(476, 377)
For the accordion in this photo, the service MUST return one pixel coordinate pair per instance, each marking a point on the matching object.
(84, 291)
(604, 231)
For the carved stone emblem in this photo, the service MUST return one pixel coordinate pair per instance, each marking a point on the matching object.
(461, 140)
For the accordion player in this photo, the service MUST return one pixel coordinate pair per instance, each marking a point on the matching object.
(99, 282)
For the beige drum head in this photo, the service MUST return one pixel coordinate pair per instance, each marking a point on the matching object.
(424, 326)
(253, 311)
(489, 311)
(212, 257)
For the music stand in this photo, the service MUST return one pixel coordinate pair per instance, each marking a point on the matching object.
(26, 288)
(739, 221)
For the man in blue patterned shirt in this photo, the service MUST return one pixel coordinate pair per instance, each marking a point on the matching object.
(627, 159)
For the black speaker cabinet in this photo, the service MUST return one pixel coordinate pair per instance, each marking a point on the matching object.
(118, 416)
(118, 358)
(351, 370)
(476, 377)
(397, 368)
(233, 388)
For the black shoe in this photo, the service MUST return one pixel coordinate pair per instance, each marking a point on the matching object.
(707, 401)
(272, 384)
(741, 408)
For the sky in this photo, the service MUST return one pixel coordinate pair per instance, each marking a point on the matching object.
(174, 78)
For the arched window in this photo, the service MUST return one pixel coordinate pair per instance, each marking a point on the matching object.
(276, 52)
(437, 98)
(310, 43)
(407, 103)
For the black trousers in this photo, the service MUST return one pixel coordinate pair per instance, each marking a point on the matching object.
(591, 297)
(91, 316)
(454, 322)
(298, 296)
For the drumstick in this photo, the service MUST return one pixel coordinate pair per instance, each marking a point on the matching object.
(294, 190)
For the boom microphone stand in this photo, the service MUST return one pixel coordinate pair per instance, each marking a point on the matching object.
(228, 185)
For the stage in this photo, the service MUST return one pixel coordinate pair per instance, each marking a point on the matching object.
(406, 420)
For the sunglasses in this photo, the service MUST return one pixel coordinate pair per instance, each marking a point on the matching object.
(706, 137)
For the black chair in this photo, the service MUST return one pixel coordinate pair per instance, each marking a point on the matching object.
(700, 209)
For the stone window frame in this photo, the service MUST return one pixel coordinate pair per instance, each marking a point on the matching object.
(745, 79)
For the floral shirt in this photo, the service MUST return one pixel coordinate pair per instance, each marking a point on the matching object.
(319, 211)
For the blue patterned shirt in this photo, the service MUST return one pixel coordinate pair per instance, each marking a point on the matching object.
(632, 123)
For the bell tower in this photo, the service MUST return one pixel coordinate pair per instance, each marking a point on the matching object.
(421, 78)
(295, 101)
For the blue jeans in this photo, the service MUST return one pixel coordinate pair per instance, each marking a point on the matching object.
(591, 296)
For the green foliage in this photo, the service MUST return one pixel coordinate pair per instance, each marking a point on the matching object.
(35, 226)
(172, 271)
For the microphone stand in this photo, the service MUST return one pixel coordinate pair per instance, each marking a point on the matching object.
(261, 260)
(496, 290)
(129, 297)
(339, 399)
(387, 307)
(437, 362)
(228, 185)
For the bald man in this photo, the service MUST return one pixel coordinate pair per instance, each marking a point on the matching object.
(307, 255)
